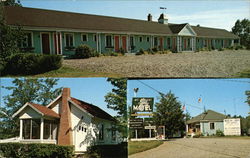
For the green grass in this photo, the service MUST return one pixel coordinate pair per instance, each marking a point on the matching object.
(244, 74)
(140, 146)
(72, 72)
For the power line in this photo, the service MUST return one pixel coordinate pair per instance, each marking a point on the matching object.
(233, 80)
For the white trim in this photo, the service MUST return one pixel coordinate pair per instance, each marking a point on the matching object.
(187, 25)
(54, 101)
(95, 35)
(86, 37)
(61, 43)
(67, 33)
(23, 107)
(21, 129)
(69, 100)
(41, 42)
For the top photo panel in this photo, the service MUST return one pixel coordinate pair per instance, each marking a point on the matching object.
(135, 39)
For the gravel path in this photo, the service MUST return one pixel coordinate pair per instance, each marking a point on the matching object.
(201, 64)
(199, 148)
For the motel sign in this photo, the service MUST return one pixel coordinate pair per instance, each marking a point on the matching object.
(142, 104)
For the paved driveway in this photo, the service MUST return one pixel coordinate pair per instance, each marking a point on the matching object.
(199, 148)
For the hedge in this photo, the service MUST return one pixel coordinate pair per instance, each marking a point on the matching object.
(30, 64)
(19, 150)
(108, 151)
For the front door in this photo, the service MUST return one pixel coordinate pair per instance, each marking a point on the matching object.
(124, 43)
(161, 43)
(45, 43)
(117, 43)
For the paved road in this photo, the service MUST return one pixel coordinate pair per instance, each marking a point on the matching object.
(199, 148)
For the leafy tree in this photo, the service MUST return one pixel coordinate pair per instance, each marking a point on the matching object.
(117, 99)
(242, 29)
(11, 3)
(9, 36)
(248, 97)
(168, 113)
(24, 90)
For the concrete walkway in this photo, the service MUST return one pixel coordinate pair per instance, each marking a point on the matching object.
(199, 148)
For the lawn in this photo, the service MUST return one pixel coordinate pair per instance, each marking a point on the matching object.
(74, 72)
(228, 63)
(140, 146)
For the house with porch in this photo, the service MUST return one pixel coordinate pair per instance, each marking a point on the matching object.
(58, 32)
(66, 121)
(205, 123)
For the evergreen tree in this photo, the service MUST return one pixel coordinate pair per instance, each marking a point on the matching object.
(248, 97)
(39, 91)
(169, 113)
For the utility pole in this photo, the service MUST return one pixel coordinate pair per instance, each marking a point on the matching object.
(135, 94)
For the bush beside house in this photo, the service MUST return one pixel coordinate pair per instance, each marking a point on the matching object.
(29, 64)
(19, 150)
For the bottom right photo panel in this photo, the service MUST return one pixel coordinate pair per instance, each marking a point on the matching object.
(188, 118)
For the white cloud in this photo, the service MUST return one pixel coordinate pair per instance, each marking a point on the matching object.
(214, 18)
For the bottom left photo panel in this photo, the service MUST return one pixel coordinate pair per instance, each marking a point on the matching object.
(63, 117)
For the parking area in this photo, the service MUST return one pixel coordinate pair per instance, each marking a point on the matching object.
(200, 148)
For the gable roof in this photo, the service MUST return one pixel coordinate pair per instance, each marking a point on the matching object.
(68, 20)
(212, 32)
(42, 18)
(38, 108)
(93, 110)
(209, 115)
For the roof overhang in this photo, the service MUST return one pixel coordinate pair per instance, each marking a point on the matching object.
(72, 102)
(36, 28)
(55, 100)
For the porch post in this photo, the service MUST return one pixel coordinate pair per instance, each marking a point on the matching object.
(100, 43)
(21, 129)
(201, 127)
(41, 128)
(186, 128)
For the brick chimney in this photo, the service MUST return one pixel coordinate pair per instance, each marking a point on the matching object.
(149, 17)
(65, 130)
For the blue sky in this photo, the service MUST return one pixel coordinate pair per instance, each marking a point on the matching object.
(91, 90)
(210, 13)
(216, 94)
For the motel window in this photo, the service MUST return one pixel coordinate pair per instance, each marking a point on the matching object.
(101, 132)
(155, 41)
(31, 129)
(95, 37)
(27, 41)
(109, 41)
(140, 39)
(211, 125)
(69, 40)
(84, 37)
(148, 39)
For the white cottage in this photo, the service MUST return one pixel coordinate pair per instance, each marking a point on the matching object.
(66, 121)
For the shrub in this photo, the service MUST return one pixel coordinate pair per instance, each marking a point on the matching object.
(29, 64)
(141, 52)
(36, 150)
(221, 49)
(117, 151)
(122, 51)
(83, 51)
(155, 49)
(219, 133)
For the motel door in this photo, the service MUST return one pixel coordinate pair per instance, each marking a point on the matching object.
(161, 43)
(117, 43)
(45, 43)
(124, 43)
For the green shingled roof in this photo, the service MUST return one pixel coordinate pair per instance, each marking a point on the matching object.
(209, 115)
